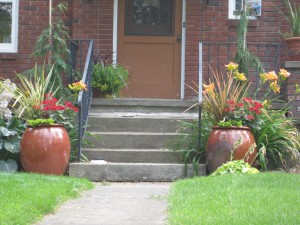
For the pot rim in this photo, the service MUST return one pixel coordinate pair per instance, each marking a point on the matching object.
(47, 125)
(232, 127)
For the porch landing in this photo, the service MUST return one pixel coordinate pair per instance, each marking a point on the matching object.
(135, 134)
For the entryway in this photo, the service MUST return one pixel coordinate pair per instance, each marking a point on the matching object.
(149, 45)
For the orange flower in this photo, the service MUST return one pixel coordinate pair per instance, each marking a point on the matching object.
(232, 66)
(209, 88)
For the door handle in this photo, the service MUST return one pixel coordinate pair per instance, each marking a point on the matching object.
(179, 37)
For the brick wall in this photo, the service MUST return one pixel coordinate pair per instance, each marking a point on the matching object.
(93, 19)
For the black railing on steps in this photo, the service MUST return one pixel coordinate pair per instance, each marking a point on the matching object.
(78, 48)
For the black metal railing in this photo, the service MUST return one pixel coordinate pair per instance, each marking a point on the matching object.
(85, 97)
(80, 71)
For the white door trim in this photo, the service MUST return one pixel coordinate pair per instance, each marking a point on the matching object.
(183, 35)
(183, 26)
(115, 32)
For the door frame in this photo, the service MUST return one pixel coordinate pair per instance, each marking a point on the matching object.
(183, 27)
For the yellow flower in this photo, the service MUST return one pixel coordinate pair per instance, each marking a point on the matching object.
(284, 74)
(270, 76)
(275, 87)
(232, 66)
(209, 88)
(240, 76)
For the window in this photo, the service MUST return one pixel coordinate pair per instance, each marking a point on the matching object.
(9, 26)
(236, 6)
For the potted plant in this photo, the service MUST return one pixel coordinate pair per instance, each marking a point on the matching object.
(235, 115)
(45, 144)
(292, 38)
(108, 80)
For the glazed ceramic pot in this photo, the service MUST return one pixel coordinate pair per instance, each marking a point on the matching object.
(45, 149)
(222, 141)
(293, 44)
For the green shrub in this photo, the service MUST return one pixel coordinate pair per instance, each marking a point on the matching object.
(233, 167)
(109, 79)
(278, 138)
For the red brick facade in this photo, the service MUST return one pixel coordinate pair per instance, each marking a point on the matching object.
(93, 19)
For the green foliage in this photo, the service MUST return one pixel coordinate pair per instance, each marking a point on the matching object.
(109, 79)
(263, 198)
(26, 198)
(233, 167)
(278, 138)
(31, 93)
(39, 122)
(11, 131)
(52, 46)
(230, 123)
(243, 56)
(187, 141)
(293, 18)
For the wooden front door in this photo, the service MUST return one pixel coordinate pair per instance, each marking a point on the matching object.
(149, 43)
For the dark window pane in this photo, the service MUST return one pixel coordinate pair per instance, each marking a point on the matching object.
(238, 5)
(149, 17)
(5, 22)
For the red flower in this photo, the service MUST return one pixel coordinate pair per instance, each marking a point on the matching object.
(230, 102)
(248, 100)
(239, 104)
(258, 105)
(250, 117)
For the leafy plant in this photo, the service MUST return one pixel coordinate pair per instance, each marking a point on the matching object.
(188, 144)
(293, 18)
(243, 56)
(31, 92)
(278, 138)
(109, 79)
(11, 131)
(52, 46)
(233, 167)
(39, 122)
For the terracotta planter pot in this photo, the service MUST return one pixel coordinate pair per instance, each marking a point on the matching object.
(293, 45)
(45, 149)
(221, 142)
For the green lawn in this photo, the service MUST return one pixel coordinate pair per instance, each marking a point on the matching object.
(25, 198)
(262, 199)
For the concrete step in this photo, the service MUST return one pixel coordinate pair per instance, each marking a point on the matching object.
(140, 105)
(137, 122)
(131, 140)
(128, 172)
(134, 155)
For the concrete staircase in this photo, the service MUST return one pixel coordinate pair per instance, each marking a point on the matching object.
(135, 134)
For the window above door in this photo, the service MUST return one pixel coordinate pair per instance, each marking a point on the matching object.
(9, 26)
(149, 17)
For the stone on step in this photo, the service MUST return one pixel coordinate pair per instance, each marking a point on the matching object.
(123, 172)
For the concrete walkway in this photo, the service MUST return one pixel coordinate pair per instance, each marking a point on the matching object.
(115, 204)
